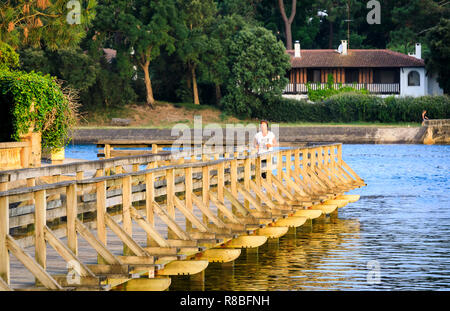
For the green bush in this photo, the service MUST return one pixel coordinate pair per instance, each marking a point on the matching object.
(322, 93)
(8, 57)
(53, 113)
(356, 107)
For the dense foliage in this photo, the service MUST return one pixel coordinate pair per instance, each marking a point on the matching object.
(355, 107)
(30, 100)
(186, 50)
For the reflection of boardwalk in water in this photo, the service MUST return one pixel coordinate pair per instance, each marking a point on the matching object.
(316, 258)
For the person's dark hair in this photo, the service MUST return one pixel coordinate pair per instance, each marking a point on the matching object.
(264, 121)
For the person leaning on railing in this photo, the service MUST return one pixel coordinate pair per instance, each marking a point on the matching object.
(264, 141)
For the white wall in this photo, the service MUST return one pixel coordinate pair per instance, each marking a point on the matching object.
(414, 91)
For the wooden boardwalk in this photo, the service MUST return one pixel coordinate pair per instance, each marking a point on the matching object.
(140, 219)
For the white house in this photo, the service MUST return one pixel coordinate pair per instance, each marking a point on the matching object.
(382, 72)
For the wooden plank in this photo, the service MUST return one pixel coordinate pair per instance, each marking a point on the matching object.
(247, 195)
(281, 187)
(235, 202)
(65, 252)
(170, 222)
(272, 192)
(225, 211)
(35, 268)
(291, 184)
(262, 195)
(148, 228)
(96, 244)
(188, 214)
(206, 211)
(124, 237)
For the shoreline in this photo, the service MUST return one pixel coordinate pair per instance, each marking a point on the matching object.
(342, 134)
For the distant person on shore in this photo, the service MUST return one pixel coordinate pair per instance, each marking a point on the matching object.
(264, 142)
(424, 116)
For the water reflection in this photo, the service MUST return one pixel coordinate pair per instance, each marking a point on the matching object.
(315, 258)
(402, 221)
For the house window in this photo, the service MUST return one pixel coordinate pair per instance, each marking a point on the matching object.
(351, 75)
(313, 75)
(413, 78)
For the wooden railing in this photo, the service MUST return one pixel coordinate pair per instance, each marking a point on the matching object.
(14, 155)
(374, 88)
(148, 197)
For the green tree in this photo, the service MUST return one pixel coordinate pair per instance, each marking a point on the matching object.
(137, 29)
(215, 66)
(439, 59)
(36, 23)
(258, 64)
(9, 59)
(197, 17)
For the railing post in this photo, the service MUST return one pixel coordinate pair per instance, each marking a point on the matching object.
(205, 188)
(149, 197)
(297, 162)
(220, 185)
(258, 170)
(4, 231)
(269, 168)
(71, 213)
(188, 193)
(234, 174)
(40, 215)
(170, 193)
(101, 211)
(126, 210)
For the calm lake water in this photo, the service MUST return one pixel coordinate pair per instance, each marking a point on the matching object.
(396, 237)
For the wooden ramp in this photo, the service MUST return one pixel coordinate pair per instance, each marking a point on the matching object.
(130, 223)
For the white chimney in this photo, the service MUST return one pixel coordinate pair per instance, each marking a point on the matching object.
(297, 49)
(418, 51)
(344, 47)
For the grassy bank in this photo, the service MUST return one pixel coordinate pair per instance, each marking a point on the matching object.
(166, 115)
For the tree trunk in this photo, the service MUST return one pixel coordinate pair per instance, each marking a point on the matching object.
(288, 21)
(331, 38)
(218, 95)
(148, 84)
(194, 86)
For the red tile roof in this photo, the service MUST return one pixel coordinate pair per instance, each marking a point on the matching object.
(355, 58)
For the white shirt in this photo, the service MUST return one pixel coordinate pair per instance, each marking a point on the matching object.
(262, 141)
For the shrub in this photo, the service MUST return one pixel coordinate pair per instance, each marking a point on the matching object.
(357, 107)
(53, 112)
(8, 57)
(322, 93)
